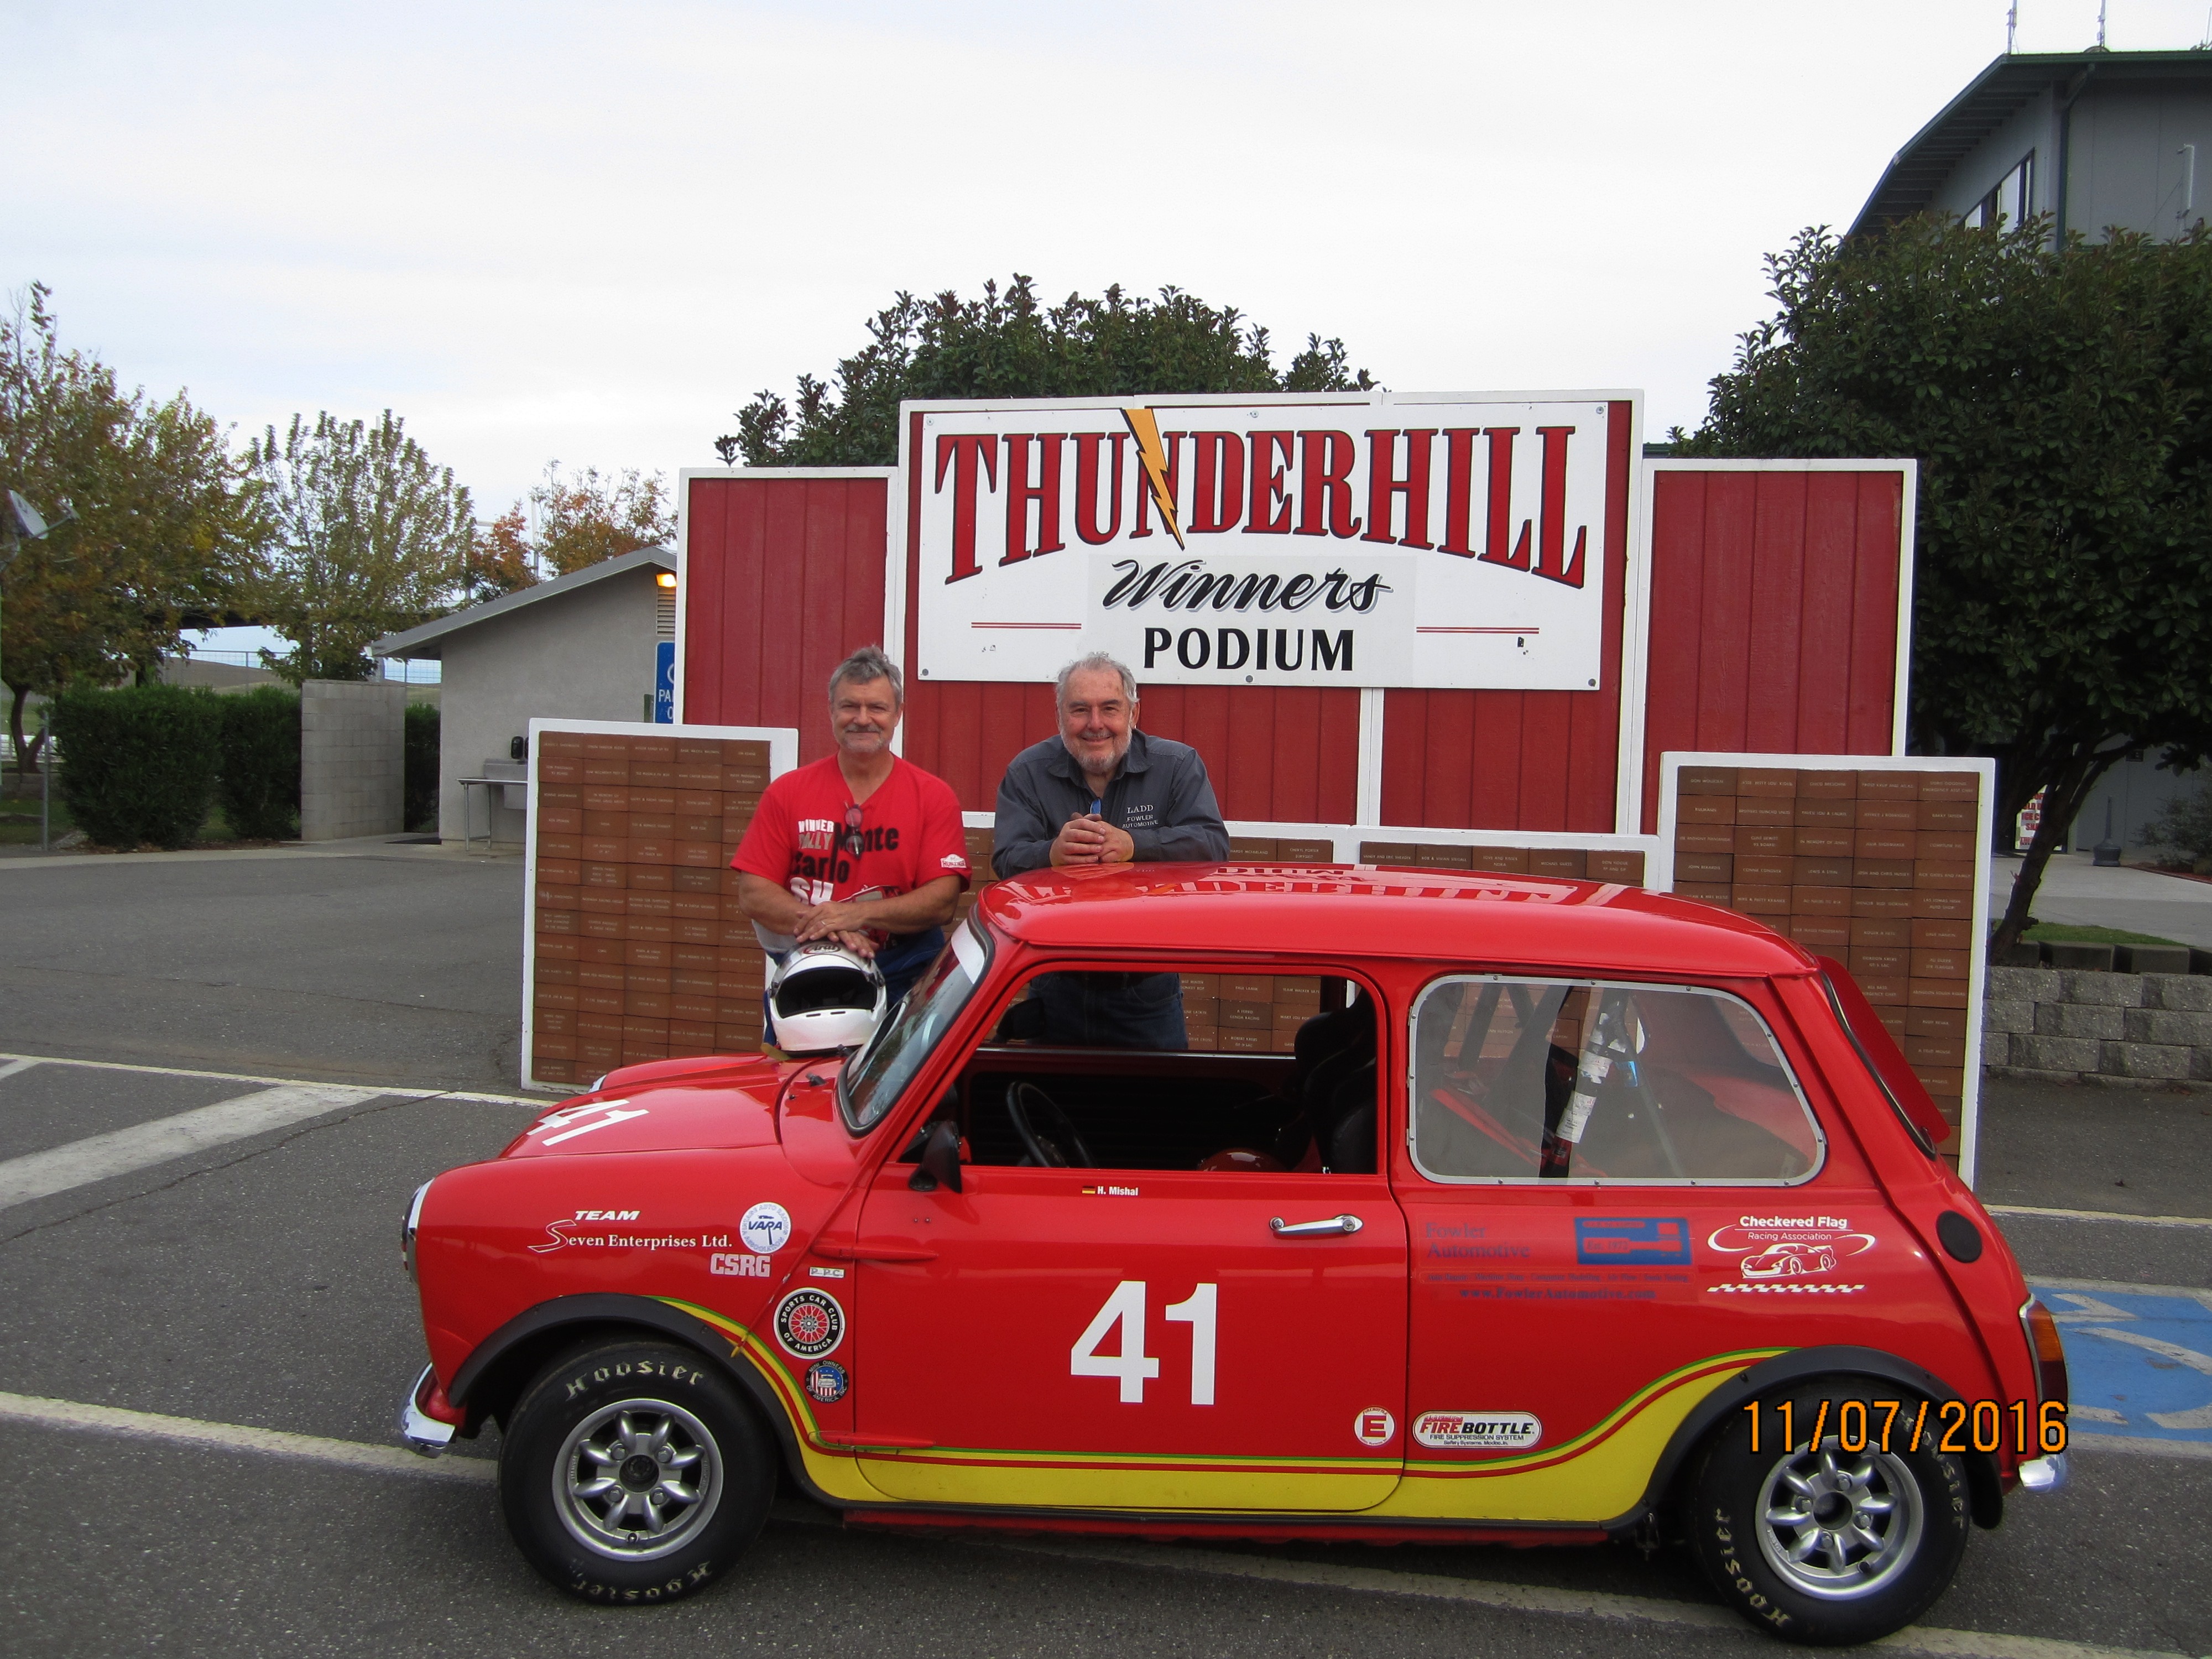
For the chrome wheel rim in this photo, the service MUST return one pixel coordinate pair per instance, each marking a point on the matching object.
(637, 1479)
(1838, 1524)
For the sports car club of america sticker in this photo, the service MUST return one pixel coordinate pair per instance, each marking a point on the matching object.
(1477, 1430)
(809, 1323)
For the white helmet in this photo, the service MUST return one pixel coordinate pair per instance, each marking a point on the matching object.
(825, 997)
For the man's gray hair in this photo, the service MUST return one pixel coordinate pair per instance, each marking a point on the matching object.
(1099, 662)
(869, 663)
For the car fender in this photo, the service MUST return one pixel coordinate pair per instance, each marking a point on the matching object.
(492, 1378)
(1798, 1365)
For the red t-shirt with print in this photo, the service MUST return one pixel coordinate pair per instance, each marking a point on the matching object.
(909, 833)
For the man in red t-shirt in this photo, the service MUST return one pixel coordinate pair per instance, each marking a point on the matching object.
(859, 846)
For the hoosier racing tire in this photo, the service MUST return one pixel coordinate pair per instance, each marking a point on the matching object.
(633, 1474)
(1819, 1545)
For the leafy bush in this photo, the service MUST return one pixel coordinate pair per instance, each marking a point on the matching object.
(141, 763)
(259, 787)
(421, 802)
(2185, 827)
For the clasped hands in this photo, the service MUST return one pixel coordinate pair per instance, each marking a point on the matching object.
(844, 920)
(1087, 838)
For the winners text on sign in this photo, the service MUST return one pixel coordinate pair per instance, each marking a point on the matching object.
(1394, 542)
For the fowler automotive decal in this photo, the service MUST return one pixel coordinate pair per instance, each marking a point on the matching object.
(1478, 1430)
(1385, 543)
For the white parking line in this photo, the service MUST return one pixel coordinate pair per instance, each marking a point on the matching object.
(2100, 1215)
(119, 1152)
(1221, 1564)
(21, 1063)
(236, 1436)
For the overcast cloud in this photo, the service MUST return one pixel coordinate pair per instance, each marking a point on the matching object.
(591, 232)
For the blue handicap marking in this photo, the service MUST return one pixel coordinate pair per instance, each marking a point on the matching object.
(664, 682)
(2138, 1363)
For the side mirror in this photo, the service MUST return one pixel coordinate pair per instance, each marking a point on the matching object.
(941, 1159)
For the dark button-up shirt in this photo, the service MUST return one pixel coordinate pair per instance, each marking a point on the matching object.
(1161, 797)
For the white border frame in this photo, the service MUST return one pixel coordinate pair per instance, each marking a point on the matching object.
(782, 756)
(1670, 768)
(1638, 618)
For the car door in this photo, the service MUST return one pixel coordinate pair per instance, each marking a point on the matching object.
(1086, 1339)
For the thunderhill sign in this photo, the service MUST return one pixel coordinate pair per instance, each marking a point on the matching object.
(1382, 542)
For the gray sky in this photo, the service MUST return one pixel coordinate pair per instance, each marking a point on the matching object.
(591, 232)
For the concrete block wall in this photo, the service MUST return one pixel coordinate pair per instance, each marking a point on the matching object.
(2076, 1026)
(353, 759)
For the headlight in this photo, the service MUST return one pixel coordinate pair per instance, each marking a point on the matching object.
(407, 1227)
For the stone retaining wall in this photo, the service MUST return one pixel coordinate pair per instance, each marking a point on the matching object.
(2070, 1025)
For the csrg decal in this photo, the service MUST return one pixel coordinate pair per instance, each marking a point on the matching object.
(1632, 1240)
(809, 1323)
(1786, 1247)
(1478, 1430)
(738, 1264)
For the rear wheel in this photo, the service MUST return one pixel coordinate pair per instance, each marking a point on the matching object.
(631, 1473)
(1820, 1544)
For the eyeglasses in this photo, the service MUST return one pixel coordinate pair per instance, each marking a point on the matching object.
(851, 842)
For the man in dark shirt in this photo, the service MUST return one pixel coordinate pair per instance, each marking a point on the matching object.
(1103, 792)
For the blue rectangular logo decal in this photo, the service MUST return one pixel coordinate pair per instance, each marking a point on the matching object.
(1632, 1240)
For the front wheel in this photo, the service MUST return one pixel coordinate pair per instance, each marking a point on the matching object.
(631, 1473)
(1833, 1541)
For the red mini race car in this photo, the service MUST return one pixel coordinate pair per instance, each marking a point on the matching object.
(1473, 1208)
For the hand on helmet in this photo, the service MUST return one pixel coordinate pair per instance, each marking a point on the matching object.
(842, 919)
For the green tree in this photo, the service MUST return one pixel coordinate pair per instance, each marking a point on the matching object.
(569, 521)
(1006, 345)
(164, 536)
(367, 536)
(2056, 398)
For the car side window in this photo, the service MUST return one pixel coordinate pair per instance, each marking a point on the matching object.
(1518, 1080)
(1083, 1069)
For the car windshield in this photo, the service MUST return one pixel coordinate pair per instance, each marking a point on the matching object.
(872, 1084)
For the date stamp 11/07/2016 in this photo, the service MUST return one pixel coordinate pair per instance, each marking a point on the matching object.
(1908, 1425)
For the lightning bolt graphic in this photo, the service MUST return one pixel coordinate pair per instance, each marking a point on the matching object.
(1145, 428)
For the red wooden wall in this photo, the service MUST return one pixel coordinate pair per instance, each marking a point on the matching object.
(1521, 759)
(784, 580)
(1774, 614)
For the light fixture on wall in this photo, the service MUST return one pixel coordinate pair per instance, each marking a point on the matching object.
(665, 579)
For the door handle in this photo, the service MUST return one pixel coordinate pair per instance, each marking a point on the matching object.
(1335, 1223)
(875, 1252)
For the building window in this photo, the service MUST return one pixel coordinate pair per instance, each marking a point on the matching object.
(2010, 201)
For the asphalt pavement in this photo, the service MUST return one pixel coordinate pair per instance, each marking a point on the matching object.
(207, 1332)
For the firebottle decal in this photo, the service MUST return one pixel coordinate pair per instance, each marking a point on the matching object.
(826, 1381)
(765, 1228)
(1375, 1427)
(809, 1323)
(1478, 1430)
(1774, 1249)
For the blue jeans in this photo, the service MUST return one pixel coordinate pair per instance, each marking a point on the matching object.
(1112, 1010)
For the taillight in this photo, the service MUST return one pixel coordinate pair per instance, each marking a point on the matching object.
(2043, 1342)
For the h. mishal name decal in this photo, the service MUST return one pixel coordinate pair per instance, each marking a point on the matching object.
(1385, 542)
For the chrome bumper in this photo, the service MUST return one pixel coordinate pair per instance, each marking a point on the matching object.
(424, 1433)
(2043, 1473)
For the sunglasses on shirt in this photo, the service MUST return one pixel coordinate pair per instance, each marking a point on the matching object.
(852, 841)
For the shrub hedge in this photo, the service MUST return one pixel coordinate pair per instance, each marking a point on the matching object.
(259, 787)
(140, 764)
(421, 785)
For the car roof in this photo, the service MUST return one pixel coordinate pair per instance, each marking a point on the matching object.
(1369, 911)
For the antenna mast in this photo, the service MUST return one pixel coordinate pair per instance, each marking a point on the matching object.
(2012, 25)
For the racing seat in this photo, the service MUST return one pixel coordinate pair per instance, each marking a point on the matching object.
(1332, 1088)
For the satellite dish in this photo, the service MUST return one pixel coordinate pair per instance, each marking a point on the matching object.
(23, 518)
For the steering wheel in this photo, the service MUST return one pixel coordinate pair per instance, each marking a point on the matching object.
(1047, 1135)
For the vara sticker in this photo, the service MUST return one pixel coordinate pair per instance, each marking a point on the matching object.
(765, 1228)
(1478, 1430)
(1779, 1247)
(738, 1264)
(809, 1323)
(1375, 1427)
(826, 1381)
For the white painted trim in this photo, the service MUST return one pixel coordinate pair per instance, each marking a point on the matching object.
(782, 756)
(1379, 398)
(1661, 879)
(1367, 793)
(1693, 464)
(690, 472)
(1635, 641)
